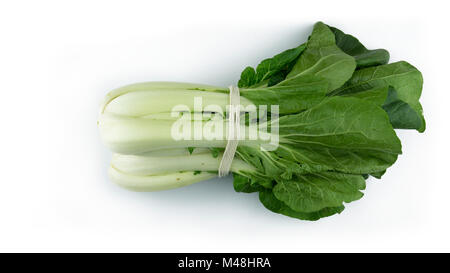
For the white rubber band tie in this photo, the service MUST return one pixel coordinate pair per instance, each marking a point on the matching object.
(234, 121)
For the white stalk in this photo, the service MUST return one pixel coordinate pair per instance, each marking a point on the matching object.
(129, 135)
(160, 97)
(157, 182)
(155, 165)
(153, 86)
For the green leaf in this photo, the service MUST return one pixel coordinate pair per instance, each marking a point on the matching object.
(341, 134)
(270, 71)
(245, 184)
(344, 134)
(269, 201)
(279, 76)
(353, 47)
(402, 76)
(248, 77)
(375, 95)
(313, 192)
(378, 175)
(323, 58)
(290, 99)
(401, 114)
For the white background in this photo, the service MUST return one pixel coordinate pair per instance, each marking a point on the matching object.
(59, 58)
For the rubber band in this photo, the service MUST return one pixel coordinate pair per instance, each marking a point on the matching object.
(234, 121)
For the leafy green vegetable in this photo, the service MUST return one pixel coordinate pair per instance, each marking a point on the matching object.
(378, 174)
(376, 95)
(340, 134)
(403, 77)
(245, 184)
(339, 103)
(269, 201)
(269, 71)
(314, 192)
(324, 59)
(295, 98)
(363, 56)
(401, 114)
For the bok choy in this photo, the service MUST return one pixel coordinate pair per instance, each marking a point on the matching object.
(319, 119)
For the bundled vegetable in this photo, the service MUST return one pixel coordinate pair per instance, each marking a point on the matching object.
(316, 121)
